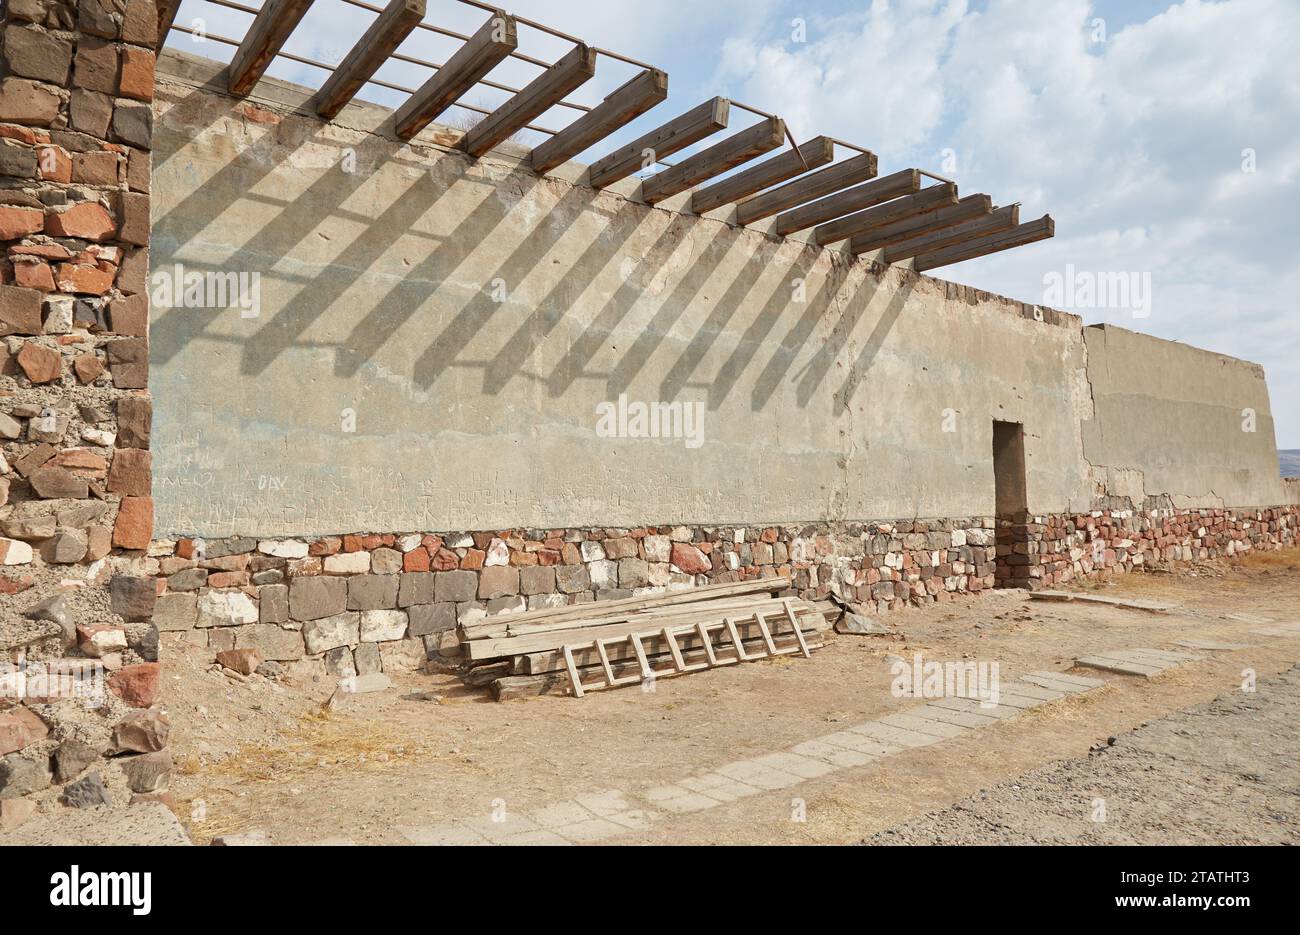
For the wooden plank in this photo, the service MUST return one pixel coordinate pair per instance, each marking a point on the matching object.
(923, 202)
(694, 595)
(1000, 220)
(478, 650)
(553, 636)
(1041, 229)
(380, 41)
(816, 152)
(719, 158)
(514, 687)
(620, 107)
(502, 626)
(967, 209)
(167, 10)
(674, 136)
(265, 37)
(849, 200)
(802, 190)
(537, 97)
(493, 42)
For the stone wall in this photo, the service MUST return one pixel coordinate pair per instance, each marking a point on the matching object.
(369, 602)
(80, 677)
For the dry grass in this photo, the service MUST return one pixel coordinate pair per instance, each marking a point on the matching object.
(319, 741)
(1071, 708)
(1280, 560)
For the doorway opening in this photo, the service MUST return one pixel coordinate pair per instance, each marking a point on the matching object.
(1015, 560)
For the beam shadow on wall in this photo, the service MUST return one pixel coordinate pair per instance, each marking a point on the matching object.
(468, 306)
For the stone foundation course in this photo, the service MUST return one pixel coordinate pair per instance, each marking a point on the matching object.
(383, 602)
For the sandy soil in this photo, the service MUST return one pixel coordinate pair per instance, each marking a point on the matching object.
(260, 755)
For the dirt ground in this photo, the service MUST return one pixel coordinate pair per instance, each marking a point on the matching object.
(1213, 774)
(261, 756)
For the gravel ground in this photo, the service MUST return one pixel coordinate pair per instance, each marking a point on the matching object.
(1225, 772)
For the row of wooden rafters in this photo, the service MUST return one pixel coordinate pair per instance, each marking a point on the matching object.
(803, 187)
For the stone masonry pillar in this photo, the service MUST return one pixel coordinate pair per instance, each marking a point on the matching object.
(76, 511)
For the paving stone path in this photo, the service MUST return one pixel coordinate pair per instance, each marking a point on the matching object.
(1144, 662)
(599, 817)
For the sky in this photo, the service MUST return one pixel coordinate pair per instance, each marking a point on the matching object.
(1163, 138)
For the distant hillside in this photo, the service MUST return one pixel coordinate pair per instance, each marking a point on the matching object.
(1290, 461)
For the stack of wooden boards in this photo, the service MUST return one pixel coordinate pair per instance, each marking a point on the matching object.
(608, 644)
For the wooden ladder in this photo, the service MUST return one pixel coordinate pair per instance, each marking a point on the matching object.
(679, 666)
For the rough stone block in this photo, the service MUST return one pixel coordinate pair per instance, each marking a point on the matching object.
(431, 618)
(226, 608)
(133, 125)
(498, 581)
(273, 603)
(128, 360)
(416, 587)
(455, 586)
(28, 102)
(31, 53)
(537, 579)
(372, 592)
(175, 612)
(367, 659)
(326, 633)
(134, 599)
(134, 422)
(381, 626)
(273, 642)
(134, 525)
(316, 597)
(96, 66)
(131, 473)
(570, 579)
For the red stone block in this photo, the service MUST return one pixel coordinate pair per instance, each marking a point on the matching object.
(17, 222)
(89, 221)
(134, 525)
(36, 276)
(416, 560)
(137, 685)
(445, 560)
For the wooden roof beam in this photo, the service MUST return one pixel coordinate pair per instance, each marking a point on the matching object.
(996, 222)
(802, 190)
(620, 107)
(719, 158)
(167, 10)
(674, 136)
(482, 52)
(967, 209)
(1028, 233)
(815, 154)
(536, 98)
(271, 27)
(380, 41)
(923, 202)
(849, 200)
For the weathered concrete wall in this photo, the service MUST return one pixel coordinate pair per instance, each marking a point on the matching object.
(1177, 422)
(470, 317)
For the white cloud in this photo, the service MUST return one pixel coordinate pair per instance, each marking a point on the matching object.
(1135, 146)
